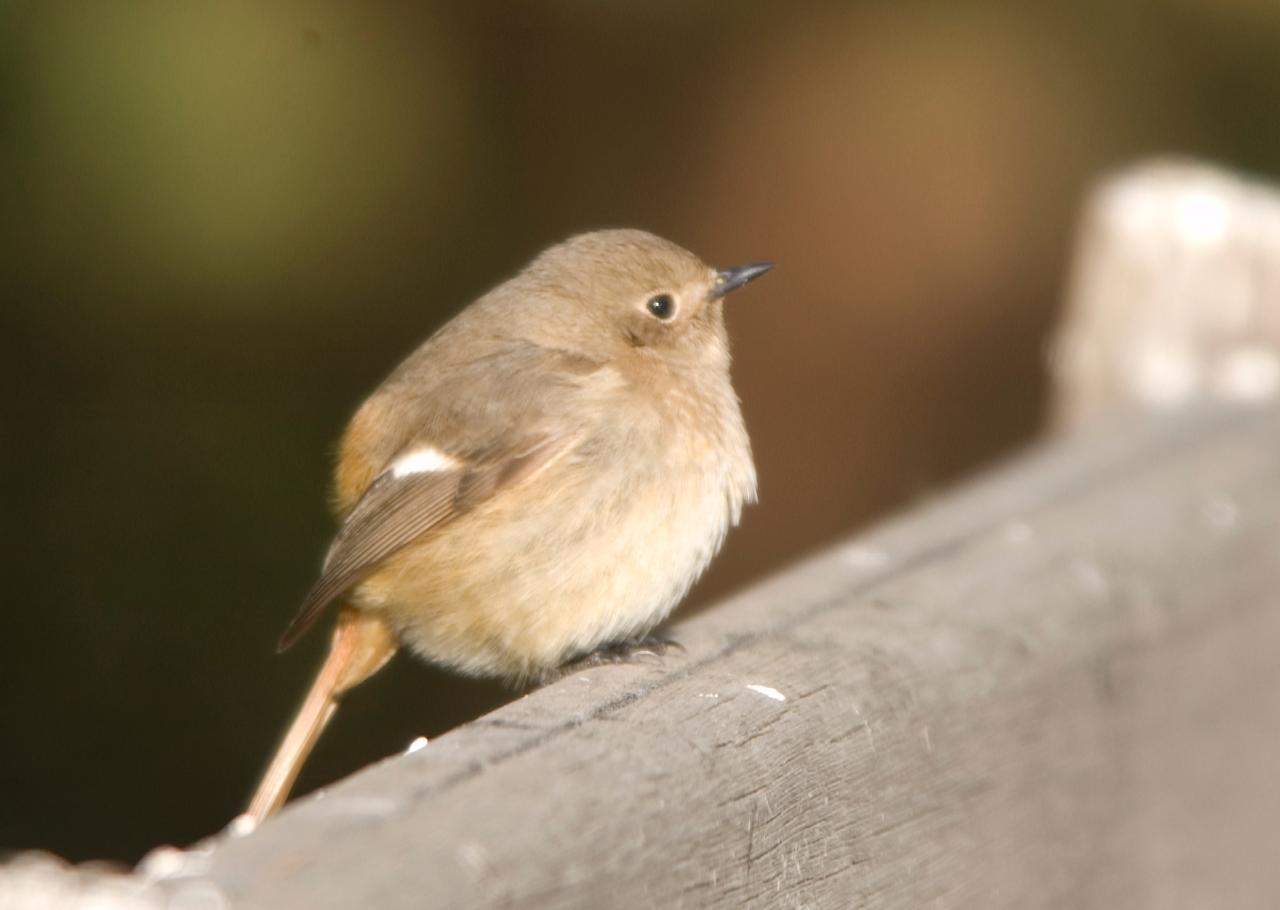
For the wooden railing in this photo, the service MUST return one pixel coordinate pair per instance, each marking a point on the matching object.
(1058, 687)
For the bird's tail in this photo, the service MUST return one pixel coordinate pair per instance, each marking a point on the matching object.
(361, 645)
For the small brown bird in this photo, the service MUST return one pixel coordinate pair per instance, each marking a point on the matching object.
(544, 478)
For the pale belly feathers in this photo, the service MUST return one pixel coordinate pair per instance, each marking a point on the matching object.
(506, 596)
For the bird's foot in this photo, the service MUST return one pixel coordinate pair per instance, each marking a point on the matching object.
(643, 648)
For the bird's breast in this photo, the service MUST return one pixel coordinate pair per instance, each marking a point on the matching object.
(597, 549)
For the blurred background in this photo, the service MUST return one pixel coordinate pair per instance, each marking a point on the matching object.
(221, 226)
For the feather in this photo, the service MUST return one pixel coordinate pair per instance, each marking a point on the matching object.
(400, 508)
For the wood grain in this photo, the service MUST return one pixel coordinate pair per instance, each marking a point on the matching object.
(1057, 687)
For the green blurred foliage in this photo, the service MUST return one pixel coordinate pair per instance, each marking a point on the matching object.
(222, 224)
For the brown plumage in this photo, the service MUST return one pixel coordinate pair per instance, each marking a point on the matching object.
(546, 476)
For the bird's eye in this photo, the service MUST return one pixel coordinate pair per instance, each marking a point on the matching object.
(661, 306)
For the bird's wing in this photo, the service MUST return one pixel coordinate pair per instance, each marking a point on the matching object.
(420, 491)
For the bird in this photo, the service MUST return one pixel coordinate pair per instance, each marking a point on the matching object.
(539, 482)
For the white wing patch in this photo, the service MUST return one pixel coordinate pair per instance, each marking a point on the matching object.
(422, 461)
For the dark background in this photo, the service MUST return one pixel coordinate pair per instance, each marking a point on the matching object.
(222, 224)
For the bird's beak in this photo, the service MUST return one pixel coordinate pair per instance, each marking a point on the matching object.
(731, 279)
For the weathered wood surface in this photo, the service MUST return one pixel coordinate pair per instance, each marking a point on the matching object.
(1058, 687)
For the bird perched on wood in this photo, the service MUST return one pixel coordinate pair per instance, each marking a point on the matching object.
(544, 478)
